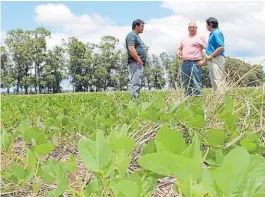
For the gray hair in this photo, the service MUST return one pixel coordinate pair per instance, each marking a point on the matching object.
(192, 22)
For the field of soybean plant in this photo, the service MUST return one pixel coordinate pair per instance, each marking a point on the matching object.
(107, 144)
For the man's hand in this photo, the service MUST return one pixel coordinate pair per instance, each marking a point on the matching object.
(179, 54)
(209, 57)
(140, 62)
(201, 62)
(134, 54)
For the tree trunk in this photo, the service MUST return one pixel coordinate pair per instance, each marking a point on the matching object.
(18, 85)
(35, 81)
(26, 89)
(26, 86)
(148, 84)
(39, 73)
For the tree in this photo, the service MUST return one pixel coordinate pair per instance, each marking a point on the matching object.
(19, 43)
(39, 47)
(148, 78)
(54, 70)
(106, 63)
(122, 77)
(80, 64)
(158, 73)
(7, 71)
(243, 74)
(172, 68)
(206, 82)
(149, 75)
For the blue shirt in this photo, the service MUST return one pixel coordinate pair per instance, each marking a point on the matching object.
(216, 39)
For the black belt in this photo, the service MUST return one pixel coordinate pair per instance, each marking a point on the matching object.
(191, 60)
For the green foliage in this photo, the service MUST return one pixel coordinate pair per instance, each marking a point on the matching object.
(107, 134)
(95, 154)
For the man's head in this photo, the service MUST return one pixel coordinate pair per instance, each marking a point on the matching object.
(211, 23)
(192, 28)
(138, 26)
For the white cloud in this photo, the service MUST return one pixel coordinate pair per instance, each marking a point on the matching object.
(227, 11)
(56, 39)
(60, 15)
(241, 23)
(3, 37)
(52, 14)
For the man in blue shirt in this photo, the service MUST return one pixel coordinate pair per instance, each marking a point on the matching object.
(215, 55)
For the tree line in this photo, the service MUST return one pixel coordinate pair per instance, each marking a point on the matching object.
(29, 67)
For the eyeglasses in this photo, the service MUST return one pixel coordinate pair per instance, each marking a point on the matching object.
(192, 27)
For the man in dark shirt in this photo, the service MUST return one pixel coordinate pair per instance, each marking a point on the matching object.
(136, 57)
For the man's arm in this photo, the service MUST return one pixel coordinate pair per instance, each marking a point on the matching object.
(134, 54)
(202, 61)
(179, 50)
(216, 52)
(203, 57)
(130, 40)
(220, 43)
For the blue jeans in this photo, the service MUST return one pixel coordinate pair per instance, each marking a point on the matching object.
(191, 77)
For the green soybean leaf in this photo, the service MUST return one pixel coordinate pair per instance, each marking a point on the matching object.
(157, 163)
(254, 179)
(123, 165)
(146, 181)
(250, 146)
(259, 194)
(123, 146)
(149, 148)
(6, 140)
(194, 149)
(17, 171)
(219, 157)
(52, 193)
(230, 125)
(127, 188)
(30, 158)
(53, 170)
(62, 185)
(92, 187)
(43, 149)
(169, 140)
(71, 164)
(196, 122)
(227, 110)
(232, 171)
(180, 112)
(215, 137)
(145, 105)
(95, 155)
(36, 188)
(168, 164)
